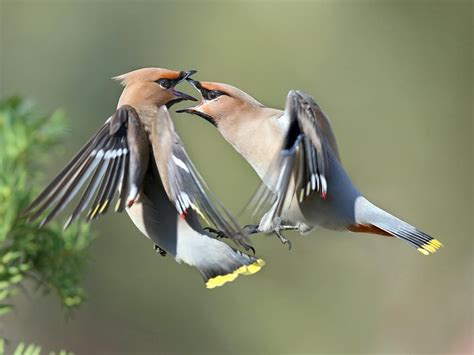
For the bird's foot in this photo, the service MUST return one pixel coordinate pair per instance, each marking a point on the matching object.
(283, 239)
(250, 229)
(159, 250)
(247, 247)
(217, 233)
(220, 234)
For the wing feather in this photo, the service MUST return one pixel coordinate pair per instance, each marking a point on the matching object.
(300, 168)
(185, 186)
(74, 162)
(102, 163)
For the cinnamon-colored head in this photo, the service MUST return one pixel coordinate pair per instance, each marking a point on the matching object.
(153, 87)
(222, 104)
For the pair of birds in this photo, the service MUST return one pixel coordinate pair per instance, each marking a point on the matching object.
(138, 157)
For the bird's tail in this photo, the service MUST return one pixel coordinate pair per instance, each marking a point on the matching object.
(218, 269)
(217, 261)
(371, 219)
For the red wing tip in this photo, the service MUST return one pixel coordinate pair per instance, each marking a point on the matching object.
(183, 215)
(130, 203)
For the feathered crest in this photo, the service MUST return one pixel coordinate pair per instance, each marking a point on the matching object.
(122, 79)
(146, 74)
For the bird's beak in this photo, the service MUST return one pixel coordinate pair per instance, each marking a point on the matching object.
(181, 96)
(198, 86)
(196, 109)
(184, 75)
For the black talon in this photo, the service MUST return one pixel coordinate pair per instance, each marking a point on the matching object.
(217, 233)
(250, 229)
(247, 247)
(161, 251)
(220, 234)
(283, 239)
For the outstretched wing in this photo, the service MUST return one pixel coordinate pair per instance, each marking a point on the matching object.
(301, 166)
(103, 162)
(183, 184)
(308, 139)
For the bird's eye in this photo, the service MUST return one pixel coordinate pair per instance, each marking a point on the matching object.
(214, 94)
(164, 83)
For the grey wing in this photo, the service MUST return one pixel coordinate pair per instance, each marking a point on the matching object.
(301, 166)
(102, 162)
(309, 138)
(184, 185)
(155, 215)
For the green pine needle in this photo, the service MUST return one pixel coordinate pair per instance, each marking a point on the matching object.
(48, 256)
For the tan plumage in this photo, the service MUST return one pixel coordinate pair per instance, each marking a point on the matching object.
(137, 157)
(296, 155)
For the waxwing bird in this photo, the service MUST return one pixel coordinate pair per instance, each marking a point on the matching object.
(295, 154)
(138, 158)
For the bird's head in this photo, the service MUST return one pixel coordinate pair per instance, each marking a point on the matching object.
(153, 86)
(221, 104)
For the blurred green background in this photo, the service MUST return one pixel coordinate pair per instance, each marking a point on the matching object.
(396, 79)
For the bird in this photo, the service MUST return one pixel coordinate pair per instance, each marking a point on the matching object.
(295, 154)
(137, 158)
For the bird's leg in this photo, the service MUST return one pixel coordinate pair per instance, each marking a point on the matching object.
(159, 250)
(251, 229)
(218, 234)
(282, 238)
(288, 228)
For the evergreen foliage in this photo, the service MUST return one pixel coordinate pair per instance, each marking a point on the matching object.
(49, 257)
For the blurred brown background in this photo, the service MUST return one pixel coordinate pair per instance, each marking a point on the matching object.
(396, 79)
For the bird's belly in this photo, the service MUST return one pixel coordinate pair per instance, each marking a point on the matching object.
(155, 216)
(137, 216)
(313, 212)
(324, 213)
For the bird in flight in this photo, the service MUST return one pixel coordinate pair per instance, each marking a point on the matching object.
(295, 154)
(137, 159)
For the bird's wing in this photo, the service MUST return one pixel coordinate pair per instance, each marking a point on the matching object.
(103, 162)
(156, 217)
(184, 185)
(301, 165)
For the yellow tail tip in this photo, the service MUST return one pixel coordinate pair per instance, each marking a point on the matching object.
(243, 270)
(430, 247)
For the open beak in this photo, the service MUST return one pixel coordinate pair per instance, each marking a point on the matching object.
(184, 75)
(195, 110)
(198, 86)
(181, 96)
